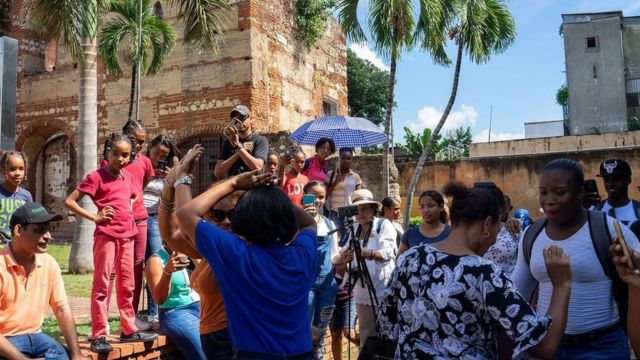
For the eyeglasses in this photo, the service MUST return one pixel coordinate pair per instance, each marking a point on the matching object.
(219, 215)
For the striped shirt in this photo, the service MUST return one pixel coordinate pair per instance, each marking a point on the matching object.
(341, 194)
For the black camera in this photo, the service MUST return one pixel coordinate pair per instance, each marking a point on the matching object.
(348, 211)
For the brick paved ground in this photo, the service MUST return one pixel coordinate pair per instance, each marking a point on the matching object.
(81, 308)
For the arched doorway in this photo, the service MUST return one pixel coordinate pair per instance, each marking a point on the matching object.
(203, 173)
(53, 180)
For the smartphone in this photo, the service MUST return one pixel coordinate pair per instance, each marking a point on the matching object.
(590, 186)
(623, 244)
(236, 123)
(162, 165)
(184, 259)
(308, 199)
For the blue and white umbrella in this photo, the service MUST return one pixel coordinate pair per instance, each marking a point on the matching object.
(344, 130)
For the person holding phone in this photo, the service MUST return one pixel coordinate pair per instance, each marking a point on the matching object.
(243, 150)
(179, 305)
(324, 289)
(293, 181)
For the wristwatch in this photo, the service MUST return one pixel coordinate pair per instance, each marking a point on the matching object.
(239, 146)
(188, 179)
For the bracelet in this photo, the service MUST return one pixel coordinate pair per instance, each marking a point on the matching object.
(167, 203)
(166, 273)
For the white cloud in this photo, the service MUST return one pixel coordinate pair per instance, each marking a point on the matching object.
(483, 136)
(429, 116)
(363, 51)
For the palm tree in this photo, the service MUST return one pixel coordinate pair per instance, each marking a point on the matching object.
(124, 21)
(393, 30)
(480, 28)
(76, 22)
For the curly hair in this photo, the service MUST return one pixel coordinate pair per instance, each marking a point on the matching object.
(115, 137)
(4, 160)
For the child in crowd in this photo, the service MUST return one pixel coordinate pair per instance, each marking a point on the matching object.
(142, 171)
(324, 289)
(113, 190)
(317, 167)
(293, 181)
(13, 166)
(434, 226)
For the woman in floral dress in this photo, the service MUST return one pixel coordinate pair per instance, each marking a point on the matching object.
(446, 301)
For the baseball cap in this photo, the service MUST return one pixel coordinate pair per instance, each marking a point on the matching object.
(242, 110)
(32, 213)
(614, 167)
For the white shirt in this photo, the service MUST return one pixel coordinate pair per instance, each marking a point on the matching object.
(385, 243)
(625, 214)
(591, 305)
(323, 230)
(151, 195)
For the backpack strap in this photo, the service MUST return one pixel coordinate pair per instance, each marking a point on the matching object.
(600, 206)
(530, 235)
(601, 238)
(636, 208)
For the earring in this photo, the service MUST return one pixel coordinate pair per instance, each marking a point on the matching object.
(486, 234)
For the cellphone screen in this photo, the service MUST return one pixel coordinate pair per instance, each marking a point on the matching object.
(162, 165)
(308, 199)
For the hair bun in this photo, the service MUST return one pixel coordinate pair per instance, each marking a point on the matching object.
(456, 190)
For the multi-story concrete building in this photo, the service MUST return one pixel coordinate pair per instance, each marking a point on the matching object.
(602, 54)
(261, 64)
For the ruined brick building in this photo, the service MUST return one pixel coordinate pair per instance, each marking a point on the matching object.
(261, 64)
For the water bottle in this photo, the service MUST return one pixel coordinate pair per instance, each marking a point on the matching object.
(51, 354)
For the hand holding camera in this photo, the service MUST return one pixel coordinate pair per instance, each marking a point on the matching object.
(177, 262)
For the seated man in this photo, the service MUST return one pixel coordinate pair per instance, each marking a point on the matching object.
(30, 281)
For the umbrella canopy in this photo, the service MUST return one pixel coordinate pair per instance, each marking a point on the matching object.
(344, 130)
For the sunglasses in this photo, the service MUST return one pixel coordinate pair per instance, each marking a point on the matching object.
(219, 215)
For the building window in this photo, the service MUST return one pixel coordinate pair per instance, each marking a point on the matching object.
(203, 172)
(157, 10)
(595, 72)
(329, 106)
(633, 93)
(592, 43)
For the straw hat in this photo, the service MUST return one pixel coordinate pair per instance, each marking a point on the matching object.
(362, 197)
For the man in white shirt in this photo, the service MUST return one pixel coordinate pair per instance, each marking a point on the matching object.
(616, 174)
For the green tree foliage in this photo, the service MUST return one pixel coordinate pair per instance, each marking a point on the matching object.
(312, 19)
(460, 138)
(562, 96)
(416, 143)
(368, 89)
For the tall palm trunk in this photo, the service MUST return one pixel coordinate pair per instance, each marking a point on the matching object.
(81, 259)
(387, 127)
(434, 135)
(132, 94)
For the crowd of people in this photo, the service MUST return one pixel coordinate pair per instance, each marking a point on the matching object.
(283, 251)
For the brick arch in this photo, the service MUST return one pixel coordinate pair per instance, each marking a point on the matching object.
(32, 138)
(190, 131)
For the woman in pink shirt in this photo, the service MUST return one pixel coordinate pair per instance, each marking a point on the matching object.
(316, 167)
(113, 191)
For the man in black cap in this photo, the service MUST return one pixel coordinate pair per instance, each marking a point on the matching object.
(30, 282)
(243, 150)
(616, 174)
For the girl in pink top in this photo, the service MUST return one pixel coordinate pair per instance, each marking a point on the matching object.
(113, 190)
(316, 167)
(142, 171)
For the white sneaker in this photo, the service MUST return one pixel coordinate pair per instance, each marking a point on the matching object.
(142, 324)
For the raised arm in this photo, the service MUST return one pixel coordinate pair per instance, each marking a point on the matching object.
(632, 279)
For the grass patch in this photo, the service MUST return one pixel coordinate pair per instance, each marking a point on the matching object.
(51, 328)
(75, 285)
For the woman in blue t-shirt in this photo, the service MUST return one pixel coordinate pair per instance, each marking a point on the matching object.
(264, 269)
(434, 227)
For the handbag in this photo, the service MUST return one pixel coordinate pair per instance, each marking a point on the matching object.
(378, 348)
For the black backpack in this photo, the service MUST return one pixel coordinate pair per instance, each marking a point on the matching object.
(601, 239)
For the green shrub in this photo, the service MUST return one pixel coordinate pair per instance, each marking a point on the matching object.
(415, 221)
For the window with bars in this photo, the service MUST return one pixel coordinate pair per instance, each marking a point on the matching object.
(329, 106)
(203, 172)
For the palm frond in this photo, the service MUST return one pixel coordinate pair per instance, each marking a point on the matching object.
(61, 19)
(348, 17)
(163, 40)
(204, 22)
(110, 38)
(486, 28)
(392, 24)
(431, 32)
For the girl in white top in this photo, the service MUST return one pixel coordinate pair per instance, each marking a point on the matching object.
(378, 250)
(593, 330)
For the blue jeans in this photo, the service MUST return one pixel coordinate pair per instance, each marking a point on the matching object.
(36, 345)
(154, 243)
(321, 303)
(611, 346)
(252, 355)
(216, 345)
(182, 326)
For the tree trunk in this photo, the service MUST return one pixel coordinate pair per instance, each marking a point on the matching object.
(387, 127)
(81, 259)
(132, 94)
(434, 135)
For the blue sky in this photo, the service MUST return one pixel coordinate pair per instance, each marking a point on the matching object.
(520, 83)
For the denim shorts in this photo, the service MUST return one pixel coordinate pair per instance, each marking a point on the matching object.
(610, 346)
(344, 315)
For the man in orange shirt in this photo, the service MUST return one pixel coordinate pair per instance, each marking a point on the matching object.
(30, 282)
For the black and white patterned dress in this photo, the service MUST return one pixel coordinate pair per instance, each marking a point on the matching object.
(441, 306)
